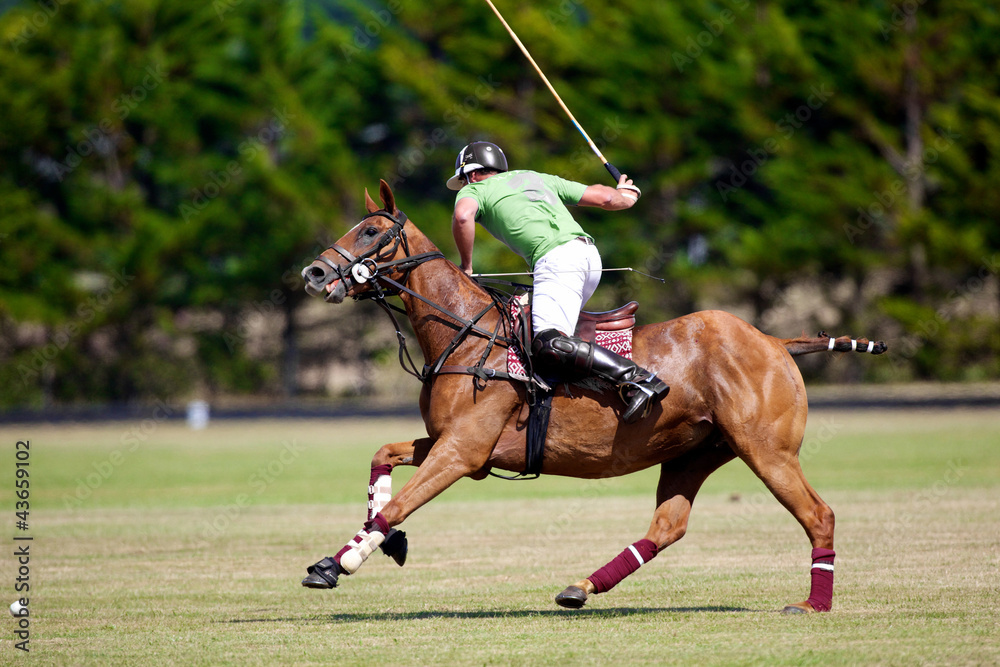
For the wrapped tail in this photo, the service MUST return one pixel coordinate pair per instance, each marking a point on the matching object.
(824, 343)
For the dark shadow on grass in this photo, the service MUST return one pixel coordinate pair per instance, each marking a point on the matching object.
(525, 613)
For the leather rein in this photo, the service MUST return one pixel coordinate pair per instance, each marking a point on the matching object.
(368, 268)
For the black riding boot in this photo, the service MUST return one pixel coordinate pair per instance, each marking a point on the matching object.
(637, 386)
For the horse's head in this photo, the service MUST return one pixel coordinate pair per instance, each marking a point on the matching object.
(376, 246)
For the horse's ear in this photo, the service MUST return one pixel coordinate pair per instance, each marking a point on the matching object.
(388, 199)
(370, 203)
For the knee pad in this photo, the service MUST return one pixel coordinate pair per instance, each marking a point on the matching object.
(552, 349)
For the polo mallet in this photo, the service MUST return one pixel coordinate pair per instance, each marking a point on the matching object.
(615, 174)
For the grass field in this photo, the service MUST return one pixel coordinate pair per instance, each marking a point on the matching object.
(153, 544)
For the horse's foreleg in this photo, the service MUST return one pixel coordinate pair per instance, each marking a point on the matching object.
(450, 463)
(679, 482)
(407, 453)
(463, 451)
(411, 452)
(325, 573)
(453, 458)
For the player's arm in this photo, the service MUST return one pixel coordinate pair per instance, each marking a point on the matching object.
(611, 199)
(463, 228)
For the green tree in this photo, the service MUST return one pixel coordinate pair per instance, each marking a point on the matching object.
(186, 149)
(167, 168)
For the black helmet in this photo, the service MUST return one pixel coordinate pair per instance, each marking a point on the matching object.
(477, 155)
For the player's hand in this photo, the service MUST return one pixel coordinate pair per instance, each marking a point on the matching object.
(628, 189)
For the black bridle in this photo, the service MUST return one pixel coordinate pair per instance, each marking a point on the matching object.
(367, 268)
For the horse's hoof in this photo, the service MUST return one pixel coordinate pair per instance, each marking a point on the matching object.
(572, 598)
(800, 608)
(396, 546)
(315, 581)
(323, 574)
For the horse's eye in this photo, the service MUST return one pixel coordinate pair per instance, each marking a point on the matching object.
(371, 231)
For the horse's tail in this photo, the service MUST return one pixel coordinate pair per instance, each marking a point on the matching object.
(824, 343)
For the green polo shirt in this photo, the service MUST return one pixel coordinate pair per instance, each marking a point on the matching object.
(526, 210)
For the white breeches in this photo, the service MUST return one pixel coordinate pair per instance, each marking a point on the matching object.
(564, 280)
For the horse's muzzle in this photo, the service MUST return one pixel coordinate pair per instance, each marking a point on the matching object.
(336, 292)
(320, 280)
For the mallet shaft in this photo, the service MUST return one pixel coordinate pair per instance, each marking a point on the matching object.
(607, 165)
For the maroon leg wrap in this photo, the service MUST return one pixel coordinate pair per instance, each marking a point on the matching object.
(378, 523)
(623, 565)
(821, 593)
(378, 471)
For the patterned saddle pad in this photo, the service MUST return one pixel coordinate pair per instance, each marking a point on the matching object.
(619, 342)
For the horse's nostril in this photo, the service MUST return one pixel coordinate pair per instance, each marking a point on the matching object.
(316, 273)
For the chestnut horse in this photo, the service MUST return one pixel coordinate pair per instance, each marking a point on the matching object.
(735, 392)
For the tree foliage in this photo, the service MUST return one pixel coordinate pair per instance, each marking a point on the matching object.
(167, 168)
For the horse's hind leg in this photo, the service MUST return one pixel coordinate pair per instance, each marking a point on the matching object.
(781, 473)
(412, 452)
(679, 482)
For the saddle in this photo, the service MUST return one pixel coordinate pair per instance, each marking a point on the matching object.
(618, 319)
(589, 323)
(611, 329)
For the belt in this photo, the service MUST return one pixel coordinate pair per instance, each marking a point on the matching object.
(585, 240)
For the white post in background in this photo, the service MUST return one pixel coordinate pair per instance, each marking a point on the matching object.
(197, 415)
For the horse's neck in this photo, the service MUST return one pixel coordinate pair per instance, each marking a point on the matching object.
(444, 285)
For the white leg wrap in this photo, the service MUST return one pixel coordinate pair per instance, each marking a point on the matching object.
(362, 546)
(379, 494)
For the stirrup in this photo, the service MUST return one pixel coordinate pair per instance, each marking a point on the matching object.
(639, 395)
